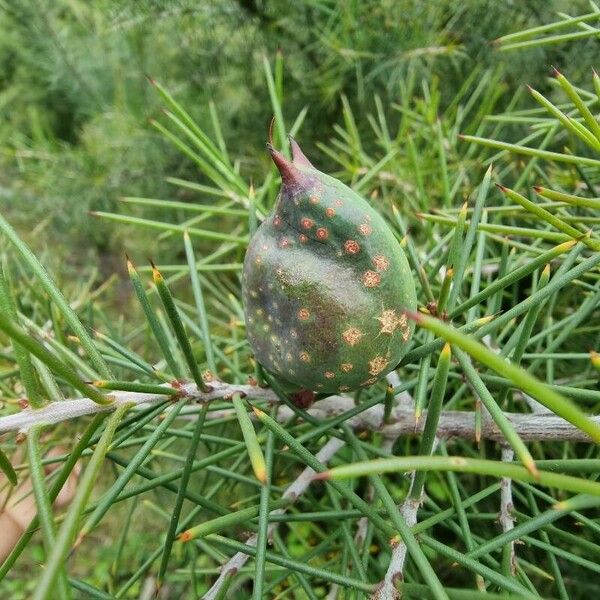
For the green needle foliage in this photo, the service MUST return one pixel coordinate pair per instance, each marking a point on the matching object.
(199, 476)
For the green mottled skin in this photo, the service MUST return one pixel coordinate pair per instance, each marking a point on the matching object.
(325, 311)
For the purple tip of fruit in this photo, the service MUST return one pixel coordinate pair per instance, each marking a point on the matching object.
(298, 157)
(289, 173)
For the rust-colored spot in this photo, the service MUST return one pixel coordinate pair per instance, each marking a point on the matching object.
(277, 221)
(365, 229)
(344, 388)
(284, 243)
(338, 202)
(303, 314)
(369, 381)
(371, 279)
(346, 367)
(306, 223)
(304, 356)
(314, 199)
(380, 262)
(329, 374)
(303, 239)
(351, 247)
(330, 212)
(390, 321)
(322, 233)
(352, 336)
(378, 364)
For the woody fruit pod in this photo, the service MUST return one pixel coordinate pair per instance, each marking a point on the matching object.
(325, 285)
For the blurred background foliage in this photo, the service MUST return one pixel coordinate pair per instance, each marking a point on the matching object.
(75, 101)
(379, 80)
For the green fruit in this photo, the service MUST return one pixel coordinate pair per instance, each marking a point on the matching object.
(325, 285)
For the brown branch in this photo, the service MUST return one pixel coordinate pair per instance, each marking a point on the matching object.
(460, 424)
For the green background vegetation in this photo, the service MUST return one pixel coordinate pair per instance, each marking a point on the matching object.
(75, 99)
(380, 91)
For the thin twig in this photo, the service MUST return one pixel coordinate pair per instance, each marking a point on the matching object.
(394, 573)
(506, 518)
(293, 492)
(388, 589)
(395, 570)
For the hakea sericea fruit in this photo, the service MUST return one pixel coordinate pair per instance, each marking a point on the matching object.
(325, 285)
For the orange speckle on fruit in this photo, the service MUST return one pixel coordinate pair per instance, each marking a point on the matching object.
(304, 356)
(380, 262)
(277, 221)
(329, 374)
(314, 199)
(322, 233)
(306, 223)
(284, 243)
(351, 247)
(390, 321)
(365, 229)
(338, 202)
(346, 367)
(303, 314)
(344, 388)
(378, 364)
(303, 239)
(352, 336)
(371, 279)
(330, 212)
